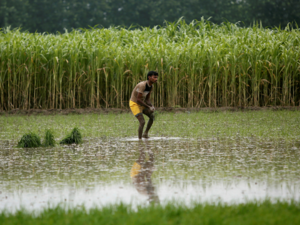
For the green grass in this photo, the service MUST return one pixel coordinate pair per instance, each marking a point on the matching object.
(264, 125)
(249, 213)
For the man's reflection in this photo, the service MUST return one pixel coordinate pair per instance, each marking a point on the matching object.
(141, 172)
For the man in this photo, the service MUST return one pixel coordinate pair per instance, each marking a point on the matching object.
(140, 103)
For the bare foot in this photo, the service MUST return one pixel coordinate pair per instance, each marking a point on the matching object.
(145, 136)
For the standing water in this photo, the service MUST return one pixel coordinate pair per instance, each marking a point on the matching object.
(108, 171)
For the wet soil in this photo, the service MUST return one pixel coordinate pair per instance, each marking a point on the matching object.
(127, 110)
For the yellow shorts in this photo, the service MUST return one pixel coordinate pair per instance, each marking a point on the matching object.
(135, 170)
(136, 108)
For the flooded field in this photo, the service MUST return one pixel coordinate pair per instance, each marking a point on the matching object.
(107, 170)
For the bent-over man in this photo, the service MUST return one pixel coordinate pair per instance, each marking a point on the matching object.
(140, 103)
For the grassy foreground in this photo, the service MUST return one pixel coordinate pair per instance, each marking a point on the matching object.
(263, 125)
(250, 213)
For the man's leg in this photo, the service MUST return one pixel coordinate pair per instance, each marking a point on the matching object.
(150, 114)
(141, 119)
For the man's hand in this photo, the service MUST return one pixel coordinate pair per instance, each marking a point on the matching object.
(152, 108)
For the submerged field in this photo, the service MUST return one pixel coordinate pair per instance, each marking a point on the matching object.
(221, 165)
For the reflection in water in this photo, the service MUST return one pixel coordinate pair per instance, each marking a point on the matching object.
(96, 173)
(142, 170)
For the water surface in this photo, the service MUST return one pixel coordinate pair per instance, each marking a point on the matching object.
(110, 170)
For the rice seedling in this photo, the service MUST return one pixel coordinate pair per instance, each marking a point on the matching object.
(74, 137)
(30, 140)
(200, 64)
(49, 139)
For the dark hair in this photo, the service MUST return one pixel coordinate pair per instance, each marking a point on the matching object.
(150, 73)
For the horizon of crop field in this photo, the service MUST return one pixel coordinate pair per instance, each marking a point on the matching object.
(200, 64)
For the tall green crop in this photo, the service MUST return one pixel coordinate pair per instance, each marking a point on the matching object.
(199, 64)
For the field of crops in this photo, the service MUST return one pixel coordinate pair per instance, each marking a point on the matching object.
(200, 65)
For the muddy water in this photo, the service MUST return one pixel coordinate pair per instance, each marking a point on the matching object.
(108, 171)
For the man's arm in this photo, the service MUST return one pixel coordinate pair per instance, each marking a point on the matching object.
(147, 100)
(141, 102)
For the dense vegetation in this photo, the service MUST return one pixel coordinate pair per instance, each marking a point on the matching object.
(200, 65)
(249, 213)
(74, 137)
(30, 140)
(56, 15)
